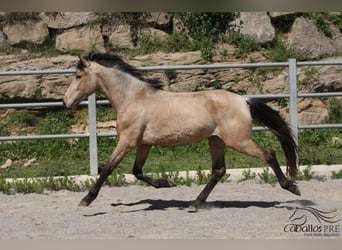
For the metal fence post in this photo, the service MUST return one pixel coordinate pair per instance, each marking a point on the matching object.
(293, 96)
(92, 135)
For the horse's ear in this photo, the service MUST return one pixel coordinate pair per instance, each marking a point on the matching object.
(83, 61)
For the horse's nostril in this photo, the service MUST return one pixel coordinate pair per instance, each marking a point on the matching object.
(64, 105)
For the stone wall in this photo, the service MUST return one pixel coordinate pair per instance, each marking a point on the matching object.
(80, 31)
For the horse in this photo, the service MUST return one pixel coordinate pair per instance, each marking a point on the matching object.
(148, 115)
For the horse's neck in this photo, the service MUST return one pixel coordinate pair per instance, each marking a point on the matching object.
(120, 88)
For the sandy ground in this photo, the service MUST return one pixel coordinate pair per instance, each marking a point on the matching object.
(236, 210)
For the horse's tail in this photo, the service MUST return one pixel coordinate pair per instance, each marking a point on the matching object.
(271, 119)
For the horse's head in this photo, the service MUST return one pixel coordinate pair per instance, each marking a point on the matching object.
(84, 84)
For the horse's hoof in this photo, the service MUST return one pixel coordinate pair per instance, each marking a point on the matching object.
(293, 188)
(192, 209)
(195, 206)
(164, 183)
(84, 203)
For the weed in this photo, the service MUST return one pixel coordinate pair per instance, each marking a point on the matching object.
(6, 187)
(56, 121)
(255, 80)
(178, 42)
(281, 52)
(28, 186)
(323, 19)
(206, 24)
(171, 74)
(247, 175)
(180, 180)
(225, 178)
(207, 47)
(19, 17)
(148, 44)
(310, 77)
(216, 84)
(267, 177)
(22, 118)
(3, 130)
(244, 43)
(105, 113)
(336, 175)
(202, 178)
(116, 179)
(316, 146)
(335, 110)
(46, 49)
(307, 175)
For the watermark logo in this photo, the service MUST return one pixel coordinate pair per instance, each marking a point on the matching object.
(312, 222)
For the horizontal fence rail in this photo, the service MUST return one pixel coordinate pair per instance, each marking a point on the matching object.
(92, 134)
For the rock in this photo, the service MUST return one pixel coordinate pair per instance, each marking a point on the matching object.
(336, 141)
(121, 37)
(189, 81)
(159, 19)
(183, 80)
(160, 58)
(156, 34)
(18, 88)
(101, 127)
(80, 127)
(329, 77)
(312, 111)
(305, 36)
(179, 27)
(106, 127)
(85, 38)
(280, 14)
(257, 25)
(35, 87)
(2, 39)
(7, 164)
(33, 32)
(66, 20)
(30, 162)
(278, 84)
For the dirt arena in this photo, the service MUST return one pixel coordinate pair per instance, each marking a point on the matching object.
(235, 210)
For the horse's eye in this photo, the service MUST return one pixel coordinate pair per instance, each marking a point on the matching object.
(78, 76)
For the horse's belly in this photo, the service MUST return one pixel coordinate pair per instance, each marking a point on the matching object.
(177, 136)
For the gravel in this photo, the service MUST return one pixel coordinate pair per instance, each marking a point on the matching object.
(236, 210)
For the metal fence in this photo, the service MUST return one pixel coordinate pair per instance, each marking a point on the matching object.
(92, 134)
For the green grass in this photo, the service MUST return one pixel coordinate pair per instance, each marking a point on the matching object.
(70, 157)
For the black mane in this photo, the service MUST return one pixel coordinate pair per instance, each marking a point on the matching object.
(111, 60)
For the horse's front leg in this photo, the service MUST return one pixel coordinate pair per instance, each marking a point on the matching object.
(140, 158)
(119, 153)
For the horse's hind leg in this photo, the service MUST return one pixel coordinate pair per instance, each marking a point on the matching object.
(250, 148)
(217, 148)
(289, 185)
(140, 158)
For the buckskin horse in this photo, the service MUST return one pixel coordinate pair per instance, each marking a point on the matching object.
(147, 115)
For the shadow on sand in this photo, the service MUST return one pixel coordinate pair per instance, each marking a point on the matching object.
(159, 204)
